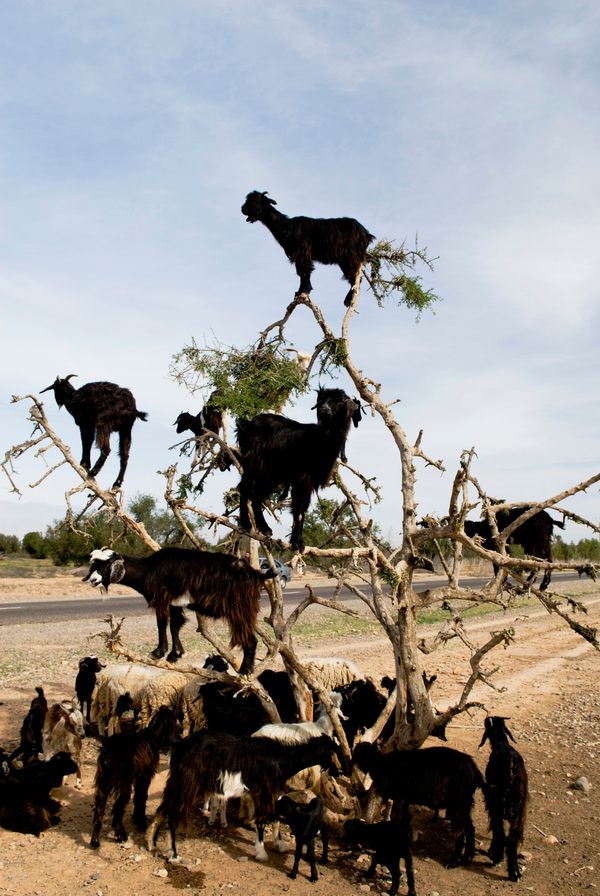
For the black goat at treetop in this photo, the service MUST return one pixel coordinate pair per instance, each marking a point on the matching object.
(341, 241)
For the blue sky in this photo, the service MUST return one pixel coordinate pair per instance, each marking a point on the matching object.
(131, 134)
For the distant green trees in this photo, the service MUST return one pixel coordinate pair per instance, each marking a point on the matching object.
(64, 546)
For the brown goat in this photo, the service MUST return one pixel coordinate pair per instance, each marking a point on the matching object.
(221, 586)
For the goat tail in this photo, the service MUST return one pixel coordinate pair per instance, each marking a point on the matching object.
(141, 415)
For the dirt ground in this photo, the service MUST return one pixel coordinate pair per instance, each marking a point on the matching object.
(547, 684)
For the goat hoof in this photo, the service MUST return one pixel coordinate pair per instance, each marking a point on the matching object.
(95, 844)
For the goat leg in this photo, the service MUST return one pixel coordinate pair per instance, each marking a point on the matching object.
(310, 858)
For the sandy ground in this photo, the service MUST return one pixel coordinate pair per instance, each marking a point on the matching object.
(547, 683)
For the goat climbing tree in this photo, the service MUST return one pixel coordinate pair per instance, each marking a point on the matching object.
(381, 577)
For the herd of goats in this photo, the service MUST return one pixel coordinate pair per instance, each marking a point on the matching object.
(221, 742)
(223, 746)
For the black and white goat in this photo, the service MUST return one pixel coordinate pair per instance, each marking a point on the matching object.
(341, 241)
(85, 682)
(99, 409)
(506, 795)
(64, 732)
(25, 801)
(207, 420)
(31, 736)
(129, 761)
(534, 535)
(217, 585)
(438, 777)
(280, 454)
(204, 764)
(305, 822)
(390, 842)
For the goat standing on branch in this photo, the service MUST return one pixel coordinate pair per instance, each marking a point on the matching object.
(277, 452)
(217, 585)
(99, 409)
(534, 535)
(341, 241)
(207, 420)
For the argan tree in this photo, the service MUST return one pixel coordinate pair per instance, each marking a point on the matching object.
(264, 376)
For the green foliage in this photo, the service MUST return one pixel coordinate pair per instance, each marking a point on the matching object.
(247, 381)
(334, 353)
(161, 525)
(36, 545)
(9, 544)
(327, 522)
(68, 546)
(386, 273)
(585, 549)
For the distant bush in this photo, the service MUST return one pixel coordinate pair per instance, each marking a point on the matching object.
(35, 545)
(9, 544)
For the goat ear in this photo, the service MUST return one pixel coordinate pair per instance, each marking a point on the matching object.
(117, 570)
(509, 734)
(357, 414)
(487, 728)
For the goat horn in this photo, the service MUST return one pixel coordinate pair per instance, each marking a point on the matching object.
(70, 376)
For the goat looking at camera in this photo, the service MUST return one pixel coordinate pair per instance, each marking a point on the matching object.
(506, 795)
(99, 409)
(279, 453)
(341, 241)
(221, 586)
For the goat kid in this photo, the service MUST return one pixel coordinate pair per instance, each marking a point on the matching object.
(506, 795)
(390, 842)
(99, 409)
(221, 586)
(129, 761)
(63, 732)
(305, 822)
(207, 420)
(85, 682)
(278, 453)
(341, 241)
(31, 735)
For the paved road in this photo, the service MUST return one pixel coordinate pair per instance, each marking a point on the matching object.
(40, 611)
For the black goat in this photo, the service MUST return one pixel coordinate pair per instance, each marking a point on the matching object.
(85, 682)
(279, 453)
(209, 419)
(204, 764)
(506, 795)
(534, 535)
(305, 822)
(31, 736)
(25, 802)
(233, 710)
(98, 410)
(438, 777)
(129, 761)
(217, 585)
(390, 842)
(341, 241)
(361, 705)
